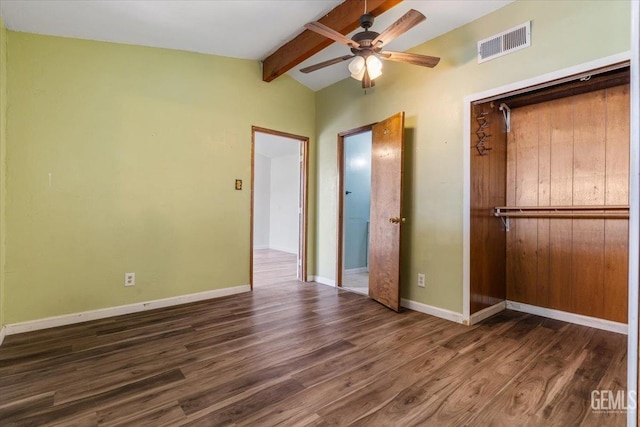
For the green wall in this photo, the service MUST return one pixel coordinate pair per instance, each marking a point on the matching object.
(564, 33)
(3, 148)
(123, 159)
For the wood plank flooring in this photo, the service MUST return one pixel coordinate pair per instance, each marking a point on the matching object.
(272, 267)
(306, 354)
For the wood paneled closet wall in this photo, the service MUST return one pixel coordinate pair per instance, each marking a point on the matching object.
(567, 148)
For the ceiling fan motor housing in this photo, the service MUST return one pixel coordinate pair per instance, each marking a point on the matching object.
(364, 38)
(366, 20)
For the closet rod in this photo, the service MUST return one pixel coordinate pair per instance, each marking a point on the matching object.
(564, 208)
(587, 212)
(583, 215)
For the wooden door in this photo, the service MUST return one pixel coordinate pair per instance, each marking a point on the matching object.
(386, 216)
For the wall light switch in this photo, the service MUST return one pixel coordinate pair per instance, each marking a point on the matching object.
(238, 184)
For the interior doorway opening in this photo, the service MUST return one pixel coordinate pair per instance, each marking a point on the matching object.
(385, 219)
(278, 207)
(356, 223)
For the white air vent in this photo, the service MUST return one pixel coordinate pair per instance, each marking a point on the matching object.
(506, 42)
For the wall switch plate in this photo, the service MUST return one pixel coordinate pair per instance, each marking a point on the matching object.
(129, 279)
(421, 280)
(238, 184)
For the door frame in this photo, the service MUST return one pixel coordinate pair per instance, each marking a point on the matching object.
(303, 199)
(340, 230)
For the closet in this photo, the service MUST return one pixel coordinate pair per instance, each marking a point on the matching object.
(549, 197)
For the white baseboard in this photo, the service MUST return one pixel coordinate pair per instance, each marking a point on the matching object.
(356, 271)
(487, 312)
(69, 319)
(257, 247)
(3, 332)
(322, 280)
(433, 311)
(593, 322)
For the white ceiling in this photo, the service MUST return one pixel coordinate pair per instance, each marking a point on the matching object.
(248, 29)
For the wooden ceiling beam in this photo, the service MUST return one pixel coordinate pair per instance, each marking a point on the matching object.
(344, 18)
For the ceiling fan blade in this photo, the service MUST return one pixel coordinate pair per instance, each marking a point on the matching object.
(332, 34)
(325, 63)
(411, 58)
(405, 23)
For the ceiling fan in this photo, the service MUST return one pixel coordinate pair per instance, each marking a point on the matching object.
(366, 47)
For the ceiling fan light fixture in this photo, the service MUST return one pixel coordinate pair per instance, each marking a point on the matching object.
(357, 67)
(374, 67)
(366, 47)
(360, 75)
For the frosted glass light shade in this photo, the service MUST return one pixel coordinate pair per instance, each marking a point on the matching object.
(357, 67)
(374, 66)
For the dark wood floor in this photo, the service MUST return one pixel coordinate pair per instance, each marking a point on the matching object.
(307, 354)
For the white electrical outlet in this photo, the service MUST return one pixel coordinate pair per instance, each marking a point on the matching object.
(129, 279)
(421, 280)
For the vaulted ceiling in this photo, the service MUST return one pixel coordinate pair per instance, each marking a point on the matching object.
(248, 29)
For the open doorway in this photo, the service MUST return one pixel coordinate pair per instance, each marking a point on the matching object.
(377, 156)
(356, 161)
(278, 206)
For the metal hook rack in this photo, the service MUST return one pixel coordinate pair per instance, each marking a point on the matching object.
(482, 136)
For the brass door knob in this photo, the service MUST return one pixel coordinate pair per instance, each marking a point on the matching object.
(397, 220)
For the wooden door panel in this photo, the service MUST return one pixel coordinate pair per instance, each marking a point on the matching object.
(386, 203)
